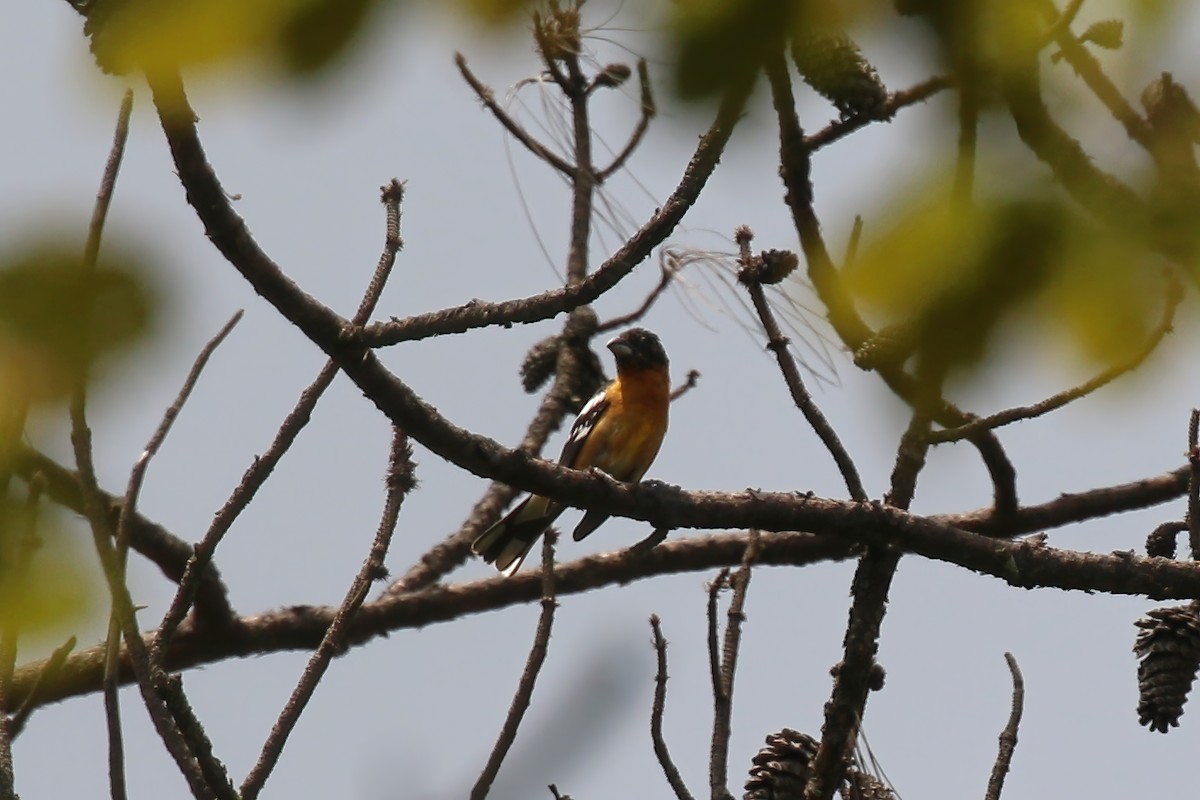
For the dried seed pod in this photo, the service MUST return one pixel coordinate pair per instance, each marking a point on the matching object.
(1107, 33)
(613, 75)
(865, 786)
(781, 769)
(777, 265)
(889, 346)
(1169, 648)
(539, 363)
(833, 65)
(1162, 540)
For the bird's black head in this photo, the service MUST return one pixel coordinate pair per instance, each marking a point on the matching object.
(638, 348)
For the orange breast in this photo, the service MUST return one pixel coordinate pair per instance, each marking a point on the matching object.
(627, 440)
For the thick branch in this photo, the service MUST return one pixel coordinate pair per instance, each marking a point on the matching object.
(300, 628)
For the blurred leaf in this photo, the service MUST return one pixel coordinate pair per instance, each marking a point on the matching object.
(130, 35)
(55, 322)
(499, 11)
(306, 35)
(951, 274)
(721, 43)
(320, 31)
(1105, 294)
(47, 585)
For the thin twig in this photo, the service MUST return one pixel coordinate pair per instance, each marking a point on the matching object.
(749, 276)
(391, 195)
(1008, 736)
(716, 783)
(1062, 23)
(719, 752)
(714, 642)
(138, 473)
(112, 710)
(796, 170)
(108, 183)
(656, 715)
(664, 282)
(169, 552)
(533, 666)
(488, 98)
(400, 481)
(1088, 68)
(896, 101)
(1193, 501)
(47, 672)
(102, 532)
(643, 124)
(1101, 193)
(1008, 416)
(632, 252)
(583, 179)
(128, 509)
(689, 383)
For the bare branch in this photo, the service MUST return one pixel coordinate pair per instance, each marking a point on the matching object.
(718, 749)
(48, 671)
(872, 581)
(108, 183)
(1008, 416)
(1088, 68)
(1095, 190)
(138, 473)
(533, 666)
(1008, 736)
(796, 168)
(391, 195)
(633, 251)
(1193, 495)
(714, 651)
(719, 754)
(843, 712)
(1022, 564)
(896, 101)
(664, 282)
(643, 124)
(750, 276)
(102, 533)
(689, 383)
(656, 715)
(112, 711)
(488, 98)
(400, 481)
(169, 552)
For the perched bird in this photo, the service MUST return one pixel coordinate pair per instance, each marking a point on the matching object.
(619, 432)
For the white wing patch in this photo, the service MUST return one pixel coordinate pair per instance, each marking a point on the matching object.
(584, 423)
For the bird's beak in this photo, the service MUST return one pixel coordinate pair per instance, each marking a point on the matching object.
(619, 348)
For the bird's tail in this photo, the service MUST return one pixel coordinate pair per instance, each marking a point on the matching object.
(506, 543)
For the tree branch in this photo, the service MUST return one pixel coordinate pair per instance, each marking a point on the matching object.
(1008, 736)
(656, 715)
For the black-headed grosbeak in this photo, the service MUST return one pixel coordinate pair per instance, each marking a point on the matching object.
(618, 431)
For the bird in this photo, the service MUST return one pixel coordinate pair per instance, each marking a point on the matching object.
(619, 431)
